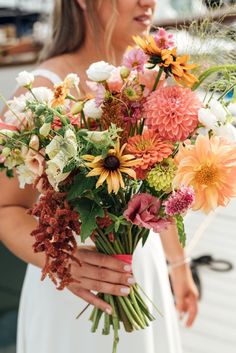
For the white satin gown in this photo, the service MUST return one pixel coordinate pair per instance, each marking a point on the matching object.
(47, 317)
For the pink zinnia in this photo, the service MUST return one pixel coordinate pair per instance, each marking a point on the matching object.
(172, 112)
(163, 39)
(143, 210)
(135, 59)
(180, 201)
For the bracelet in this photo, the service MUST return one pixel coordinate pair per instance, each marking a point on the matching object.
(179, 263)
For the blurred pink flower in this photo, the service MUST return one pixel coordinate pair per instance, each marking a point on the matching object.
(135, 59)
(147, 79)
(143, 210)
(180, 201)
(172, 112)
(100, 95)
(4, 126)
(163, 39)
(115, 82)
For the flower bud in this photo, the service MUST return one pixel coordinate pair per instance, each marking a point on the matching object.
(77, 107)
(45, 129)
(6, 151)
(124, 72)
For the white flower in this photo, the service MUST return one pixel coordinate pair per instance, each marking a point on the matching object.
(70, 145)
(73, 80)
(91, 111)
(228, 131)
(42, 94)
(207, 118)
(218, 110)
(25, 175)
(25, 79)
(55, 168)
(96, 136)
(99, 71)
(54, 146)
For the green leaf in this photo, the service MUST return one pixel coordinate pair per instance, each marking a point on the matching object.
(9, 173)
(88, 211)
(81, 185)
(145, 237)
(181, 230)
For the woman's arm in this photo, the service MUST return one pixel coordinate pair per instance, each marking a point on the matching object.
(185, 290)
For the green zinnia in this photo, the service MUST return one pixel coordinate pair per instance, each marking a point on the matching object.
(160, 177)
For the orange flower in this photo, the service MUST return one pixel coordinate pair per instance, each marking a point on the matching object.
(60, 93)
(111, 167)
(149, 148)
(167, 58)
(148, 45)
(209, 167)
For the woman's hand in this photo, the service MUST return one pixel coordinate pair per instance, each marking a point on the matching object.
(186, 293)
(100, 273)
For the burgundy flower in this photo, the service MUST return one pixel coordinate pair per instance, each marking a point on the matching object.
(143, 210)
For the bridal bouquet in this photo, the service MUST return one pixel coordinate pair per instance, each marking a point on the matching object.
(131, 157)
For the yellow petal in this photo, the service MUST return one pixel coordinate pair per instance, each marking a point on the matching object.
(128, 171)
(95, 172)
(102, 178)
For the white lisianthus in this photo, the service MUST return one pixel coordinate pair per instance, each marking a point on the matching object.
(99, 71)
(207, 118)
(54, 146)
(96, 136)
(42, 94)
(73, 80)
(25, 79)
(218, 110)
(25, 175)
(228, 131)
(70, 145)
(91, 110)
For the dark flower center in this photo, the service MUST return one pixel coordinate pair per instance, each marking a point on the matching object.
(111, 163)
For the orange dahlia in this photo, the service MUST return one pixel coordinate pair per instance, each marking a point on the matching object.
(209, 167)
(149, 148)
(172, 112)
(111, 167)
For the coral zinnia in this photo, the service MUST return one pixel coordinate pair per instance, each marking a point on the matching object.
(149, 148)
(111, 167)
(172, 112)
(209, 167)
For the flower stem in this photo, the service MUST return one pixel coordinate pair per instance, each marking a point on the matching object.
(157, 78)
(115, 321)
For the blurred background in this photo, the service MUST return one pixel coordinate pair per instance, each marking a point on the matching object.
(212, 240)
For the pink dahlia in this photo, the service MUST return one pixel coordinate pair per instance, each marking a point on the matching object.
(163, 39)
(180, 201)
(143, 210)
(172, 112)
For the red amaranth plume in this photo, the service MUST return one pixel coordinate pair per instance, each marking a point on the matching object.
(54, 236)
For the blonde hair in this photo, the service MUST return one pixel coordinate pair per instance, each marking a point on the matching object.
(69, 28)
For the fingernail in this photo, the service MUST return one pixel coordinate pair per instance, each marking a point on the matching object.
(131, 280)
(125, 290)
(109, 311)
(128, 268)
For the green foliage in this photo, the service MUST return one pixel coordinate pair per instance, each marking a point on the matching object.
(181, 230)
(118, 221)
(81, 185)
(88, 211)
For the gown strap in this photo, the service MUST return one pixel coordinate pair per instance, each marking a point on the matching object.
(50, 75)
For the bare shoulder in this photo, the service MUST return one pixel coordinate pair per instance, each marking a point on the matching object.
(57, 65)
